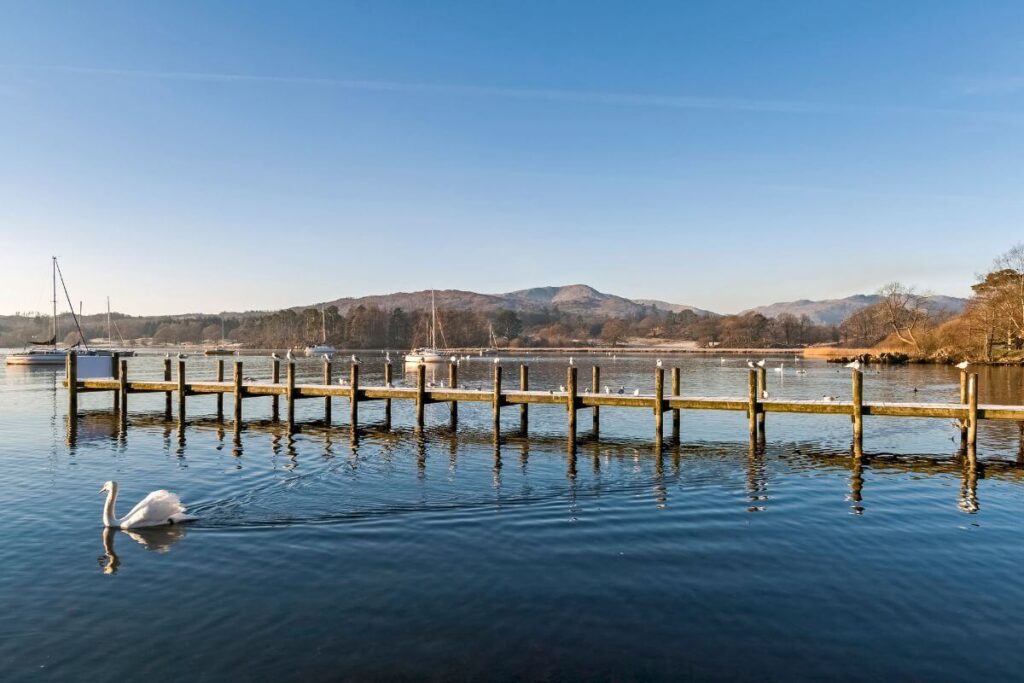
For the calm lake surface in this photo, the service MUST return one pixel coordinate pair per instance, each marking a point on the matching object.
(442, 557)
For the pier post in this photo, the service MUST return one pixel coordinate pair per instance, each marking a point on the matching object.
(122, 389)
(115, 369)
(328, 379)
(972, 410)
(762, 387)
(181, 390)
(524, 410)
(858, 406)
(963, 400)
(752, 403)
(237, 407)
(659, 404)
(220, 394)
(387, 401)
(571, 405)
(275, 378)
(453, 382)
(167, 394)
(676, 388)
(353, 395)
(290, 394)
(71, 370)
(496, 401)
(421, 394)
(595, 386)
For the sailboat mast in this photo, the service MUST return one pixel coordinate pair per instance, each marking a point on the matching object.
(433, 321)
(53, 260)
(110, 339)
(323, 325)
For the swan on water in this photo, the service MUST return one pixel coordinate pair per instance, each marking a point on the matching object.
(158, 508)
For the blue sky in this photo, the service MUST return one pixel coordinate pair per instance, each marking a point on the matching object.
(237, 155)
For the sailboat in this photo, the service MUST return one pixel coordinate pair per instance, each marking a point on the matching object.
(220, 350)
(38, 355)
(323, 348)
(431, 353)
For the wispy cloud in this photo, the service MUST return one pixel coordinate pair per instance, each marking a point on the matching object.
(611, 98)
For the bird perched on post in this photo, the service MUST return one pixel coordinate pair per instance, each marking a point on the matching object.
(497, 360)
(855, 365)
(607, 389)
(355, 359)
(760, 363)
(275, 356)
(182, 356)
(290, 356)
(962, 365)
(636, 392)
(572, 361)
(659, 363)
(167, 355)
(750, 364)
(327, 358)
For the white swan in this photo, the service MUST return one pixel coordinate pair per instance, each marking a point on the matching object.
(158, 508)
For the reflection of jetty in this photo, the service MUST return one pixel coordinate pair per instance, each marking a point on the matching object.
(571, 396)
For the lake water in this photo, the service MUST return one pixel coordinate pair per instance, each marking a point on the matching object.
(443, 557)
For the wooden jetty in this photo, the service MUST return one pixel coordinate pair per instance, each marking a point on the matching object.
(967, 413)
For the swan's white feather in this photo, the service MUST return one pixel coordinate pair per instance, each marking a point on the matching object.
(159, 507)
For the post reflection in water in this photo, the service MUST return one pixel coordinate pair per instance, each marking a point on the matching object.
(969, 483)
(660, 490)
(757, 487)
(857, 480)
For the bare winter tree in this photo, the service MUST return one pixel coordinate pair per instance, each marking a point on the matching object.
(904, 312)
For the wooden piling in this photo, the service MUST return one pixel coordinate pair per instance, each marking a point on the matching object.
(275, 378)
(122, 389)
(453, 406)
(421, 394)
(353, 401)
(659, 404)
(71, 370)
(524, 410)
(676, 389)
(220, 396)
(181, 390)
(328, 381)
(857, 377)
(496, 401)
(595, 386)
(115, 369)
(237, 407)
(571, 405)
(387, 402)
(167, 394)
(290, 394)
(972, 410)
(752, 403)
(762, 388)
(963, 400)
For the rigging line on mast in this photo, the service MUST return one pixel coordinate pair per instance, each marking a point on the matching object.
(81, 336)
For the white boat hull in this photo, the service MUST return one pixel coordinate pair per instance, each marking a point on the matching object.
(38, 358)
(320, 350)
(425, 356)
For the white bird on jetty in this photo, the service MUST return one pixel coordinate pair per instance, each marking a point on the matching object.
(167, 355)
(607, 389)
(355, 359)
(760, 363)
(182, 356)
(158, 508)
(636, 392)
(855, 365)
(387, 356)
(962, 365)
(275, 356)
(289, 356)
(497, 360)
(327, 358)
(571, 361)
(561, 387)
(659, 363)
(828, 399)
(750, 364)
(764, 393)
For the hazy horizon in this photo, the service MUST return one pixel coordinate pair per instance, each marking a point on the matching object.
(198, 158)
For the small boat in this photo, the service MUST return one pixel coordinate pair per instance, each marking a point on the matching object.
(219, 351)
(41, 356)
(428, 354)
(323, 348)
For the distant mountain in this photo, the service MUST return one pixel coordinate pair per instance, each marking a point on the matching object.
(675, 308)
(835, 311)
(576, 299)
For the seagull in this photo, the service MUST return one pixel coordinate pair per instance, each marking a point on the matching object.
(722, 361)
(660, 363)
(571, 361)
(962, 364)
(275, 356)
(355, 359)
(182, 356)
(607, 389)
(167, 355)
(828, 399)
(760, 363)
(561, 387)
(387, 356)
(636, 392)
(750, 364)
(290, 356)
(764, 393)
(441, 384)
(327, 358)
(454, 359)
(497, 360)
(622, 390)
(855, 365)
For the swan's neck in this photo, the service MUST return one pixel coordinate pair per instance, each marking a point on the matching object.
(109, 518)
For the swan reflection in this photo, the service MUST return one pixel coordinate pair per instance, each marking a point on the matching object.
(155, 539)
